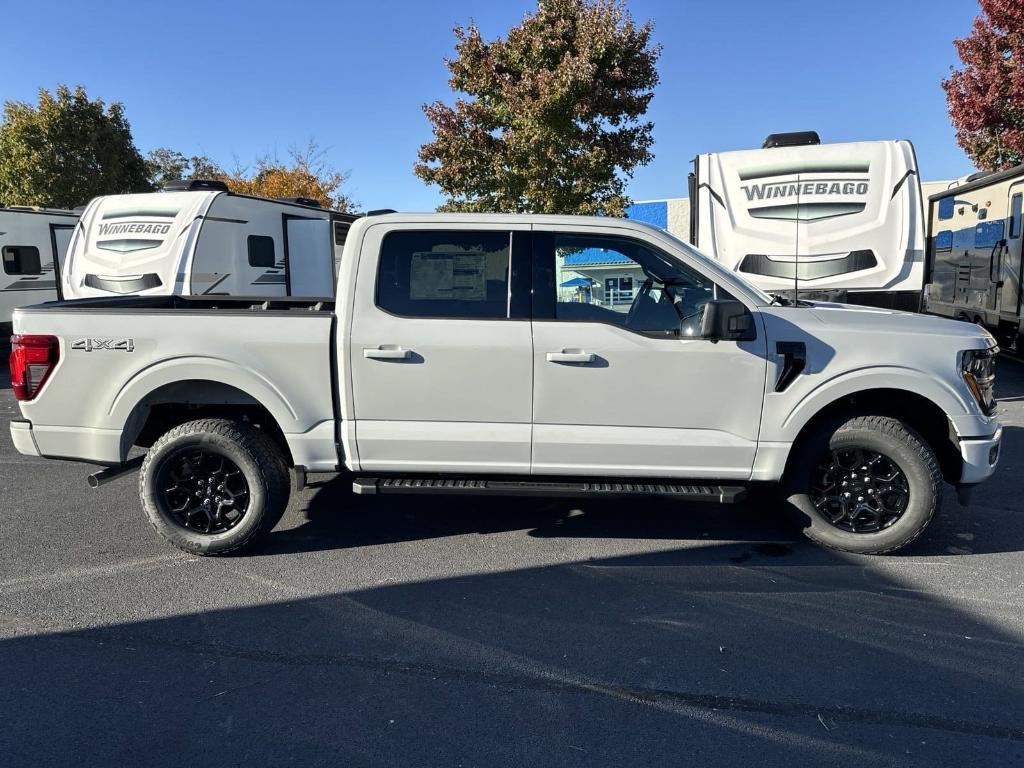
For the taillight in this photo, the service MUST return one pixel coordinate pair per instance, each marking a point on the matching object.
(32, 359)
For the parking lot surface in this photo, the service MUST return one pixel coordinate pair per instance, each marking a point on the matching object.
(478, 632)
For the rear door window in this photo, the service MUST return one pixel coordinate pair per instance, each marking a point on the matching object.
(445, 274)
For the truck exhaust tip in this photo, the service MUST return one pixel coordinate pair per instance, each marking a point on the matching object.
(96, 479)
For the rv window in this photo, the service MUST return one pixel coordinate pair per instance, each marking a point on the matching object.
(261, 251)
(1015, 214)
(946, 206)
(458, 274)
(21, 260)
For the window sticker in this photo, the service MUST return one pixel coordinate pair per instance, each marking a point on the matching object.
(439, 275)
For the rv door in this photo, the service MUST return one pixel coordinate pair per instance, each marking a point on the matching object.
(309, 256)
(60, 239)
(1012, 267)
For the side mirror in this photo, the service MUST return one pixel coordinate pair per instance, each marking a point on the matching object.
(727, 319)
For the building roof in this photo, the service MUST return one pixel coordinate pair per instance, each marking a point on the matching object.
(576, 282)
(590, 257)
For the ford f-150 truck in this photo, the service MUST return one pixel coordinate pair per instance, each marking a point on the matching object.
(491, 354)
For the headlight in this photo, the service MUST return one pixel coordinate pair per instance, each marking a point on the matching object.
(978, 368)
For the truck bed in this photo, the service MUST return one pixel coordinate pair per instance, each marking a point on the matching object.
(120, 359)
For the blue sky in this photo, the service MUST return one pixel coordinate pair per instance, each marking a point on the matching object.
(241, 79)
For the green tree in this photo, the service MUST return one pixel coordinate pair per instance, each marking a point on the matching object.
(67, 150)
(166, 165)
(552, 122)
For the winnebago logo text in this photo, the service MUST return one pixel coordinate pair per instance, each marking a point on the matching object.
(88, 345)
(775, 189)
(136, 228)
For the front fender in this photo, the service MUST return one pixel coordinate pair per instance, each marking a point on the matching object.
(787, 413)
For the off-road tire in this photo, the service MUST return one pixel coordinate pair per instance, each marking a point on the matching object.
(897, 442)
(258, 457)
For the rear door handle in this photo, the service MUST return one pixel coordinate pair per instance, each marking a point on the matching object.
(570, 357)
(387, 353)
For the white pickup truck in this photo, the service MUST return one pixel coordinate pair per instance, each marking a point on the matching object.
(489, 354)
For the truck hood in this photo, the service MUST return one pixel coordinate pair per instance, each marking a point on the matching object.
(849, 318)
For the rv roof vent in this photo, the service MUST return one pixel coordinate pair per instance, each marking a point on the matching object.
(301, 201)
(795, 139)
(380, 211)
(196, 185)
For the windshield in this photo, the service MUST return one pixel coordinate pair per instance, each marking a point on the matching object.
(716, 266)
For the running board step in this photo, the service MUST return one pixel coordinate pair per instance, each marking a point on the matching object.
(723, 494)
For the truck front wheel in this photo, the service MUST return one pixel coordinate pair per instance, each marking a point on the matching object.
(212, 486)
(867, 484)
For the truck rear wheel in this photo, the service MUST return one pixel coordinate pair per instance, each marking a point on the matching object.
(213, 486)
(867, 484)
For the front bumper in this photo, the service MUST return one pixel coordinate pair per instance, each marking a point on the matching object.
(980, 457)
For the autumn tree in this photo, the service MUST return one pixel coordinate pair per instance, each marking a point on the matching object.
(308, 174)
(551, 121)
(66, 150)
(986, 97)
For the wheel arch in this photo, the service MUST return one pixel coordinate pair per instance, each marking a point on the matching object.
(173, 403)
(919, 412)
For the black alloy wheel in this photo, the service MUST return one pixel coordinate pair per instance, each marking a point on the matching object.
(859, 490)
(204, 491)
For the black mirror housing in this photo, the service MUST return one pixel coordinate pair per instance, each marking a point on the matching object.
(727, 319)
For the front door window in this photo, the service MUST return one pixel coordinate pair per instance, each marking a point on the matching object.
(625, 283)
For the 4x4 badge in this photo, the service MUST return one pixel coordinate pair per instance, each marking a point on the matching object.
(88, 345)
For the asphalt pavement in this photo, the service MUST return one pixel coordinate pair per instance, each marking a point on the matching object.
(405, 631)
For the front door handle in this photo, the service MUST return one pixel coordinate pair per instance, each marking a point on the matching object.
(387, 353)
(570, 357)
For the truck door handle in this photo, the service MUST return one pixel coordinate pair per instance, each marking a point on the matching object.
(387, 353)
(570, 357)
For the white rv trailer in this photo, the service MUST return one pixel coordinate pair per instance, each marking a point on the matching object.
(33, 242)
(975, 261)
(198, 238)
(842, 222)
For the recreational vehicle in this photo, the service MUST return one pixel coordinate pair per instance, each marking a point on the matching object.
(841, 222)
(974, 264)
(198, 238)
(33, 242)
